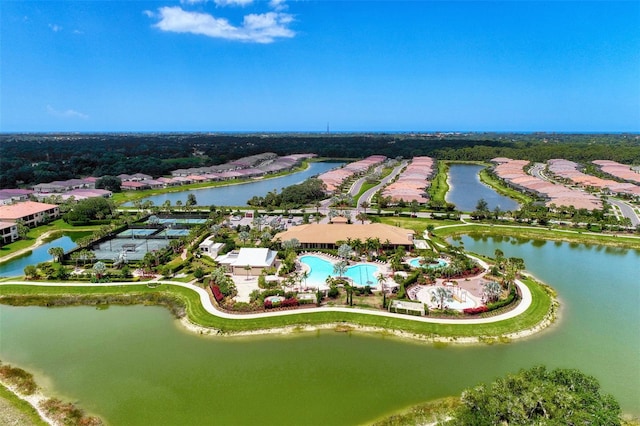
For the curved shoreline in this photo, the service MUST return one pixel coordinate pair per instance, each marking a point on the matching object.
(208, 306)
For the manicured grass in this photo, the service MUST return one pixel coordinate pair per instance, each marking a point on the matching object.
(417, 224)
(523, 231)
(365, 187)
(439, 186)
(503, 189)
(57, 228)
(39, 295)
(24, 413)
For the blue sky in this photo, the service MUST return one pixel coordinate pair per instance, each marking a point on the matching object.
(243, 65)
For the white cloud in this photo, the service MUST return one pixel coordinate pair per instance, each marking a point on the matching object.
(257, 28)
(278, 5)
(221, 3)
(149, 13)
(233, 2)
(55, 28)
(69, 113)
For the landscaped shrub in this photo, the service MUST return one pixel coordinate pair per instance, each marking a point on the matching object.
(268, 304)
(333, 292)
(504, 302)
(216, 293)
(475, 311)
(288, 303)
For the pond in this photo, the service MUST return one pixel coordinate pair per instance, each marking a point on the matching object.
(15, 267)
(238, 195)
(466, 189)
(138, 366)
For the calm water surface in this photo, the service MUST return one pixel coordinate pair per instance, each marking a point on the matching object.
(466, 190)
(16, 266)
(238, 195)
(136, 366)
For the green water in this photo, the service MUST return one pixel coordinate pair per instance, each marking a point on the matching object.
(135, 365)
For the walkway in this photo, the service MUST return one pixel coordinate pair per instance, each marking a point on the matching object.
(208, 306)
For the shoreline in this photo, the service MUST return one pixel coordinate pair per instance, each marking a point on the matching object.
(35, 400)
(346, 327)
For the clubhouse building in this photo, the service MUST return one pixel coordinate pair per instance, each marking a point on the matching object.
(331, 235)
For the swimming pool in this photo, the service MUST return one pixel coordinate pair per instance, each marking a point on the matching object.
(415, 262)
(362, 274)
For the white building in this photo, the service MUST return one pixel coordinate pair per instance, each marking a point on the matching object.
(210, 247)
(248, 261)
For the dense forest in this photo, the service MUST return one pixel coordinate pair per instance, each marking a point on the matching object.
(27, 159)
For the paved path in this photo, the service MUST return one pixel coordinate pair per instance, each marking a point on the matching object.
(208, 306)
(626, 210)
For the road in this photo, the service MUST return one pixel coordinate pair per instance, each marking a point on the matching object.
(626, 210)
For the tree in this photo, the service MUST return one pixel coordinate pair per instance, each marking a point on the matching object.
(365, 205)
(191, 201)
(56, 252)
(110, 183)
(244, 236)
(482, 209)
(491, 291)
(344, 251)
(31, 272)
(440, 296)
(340, 268)
(362, 216)
(198, 273)
(538, 396)
(382, 280)
(99, 269)
(23, 230)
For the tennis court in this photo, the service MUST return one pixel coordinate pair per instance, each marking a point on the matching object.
(135, 248)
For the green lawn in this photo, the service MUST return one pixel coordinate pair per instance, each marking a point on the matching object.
(82, 294)
(503, 189)
(439, 186)
(17, 411)
(523, 231)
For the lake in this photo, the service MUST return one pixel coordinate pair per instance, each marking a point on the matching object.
(238, 195)
(466, 189)
(16, 266)
(138, 366)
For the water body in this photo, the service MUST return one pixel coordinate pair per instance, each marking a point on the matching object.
(16, 266)
(137, 366)
(466, 190)
(238, 195)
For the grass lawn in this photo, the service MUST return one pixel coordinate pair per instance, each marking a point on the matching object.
(522, 231)
(439, 186)
(503, 189)
(56, 228)
(15, 411)
(39, 295)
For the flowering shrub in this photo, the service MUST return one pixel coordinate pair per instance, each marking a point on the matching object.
(475, 311)
(268, 304)
(216, 293)
(286, 303)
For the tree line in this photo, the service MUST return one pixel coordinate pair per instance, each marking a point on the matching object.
(27, 159)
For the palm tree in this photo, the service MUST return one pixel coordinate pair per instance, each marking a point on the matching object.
(244, 236)
(440, 296)
(382, 280)
(57, 253)
(364, 205)
(362, 216)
